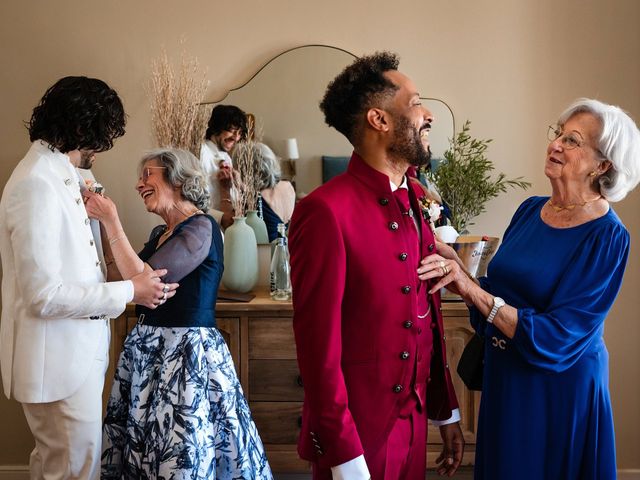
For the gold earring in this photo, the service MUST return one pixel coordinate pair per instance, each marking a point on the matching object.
(593, 174)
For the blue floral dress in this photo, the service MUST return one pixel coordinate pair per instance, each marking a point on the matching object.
(177, 410)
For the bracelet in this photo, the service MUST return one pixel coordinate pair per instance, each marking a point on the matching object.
(115, 239)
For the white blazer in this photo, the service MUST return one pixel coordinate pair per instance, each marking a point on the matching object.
(55, 300)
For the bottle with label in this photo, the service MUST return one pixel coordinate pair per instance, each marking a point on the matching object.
(280, 273)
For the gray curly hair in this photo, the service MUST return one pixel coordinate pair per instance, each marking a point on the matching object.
(269, 172)
(619, 143)
(183, 171)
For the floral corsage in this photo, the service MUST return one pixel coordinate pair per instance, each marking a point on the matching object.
(431, 211)
(94, 187)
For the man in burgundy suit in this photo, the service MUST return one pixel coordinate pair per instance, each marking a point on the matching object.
(369, 333)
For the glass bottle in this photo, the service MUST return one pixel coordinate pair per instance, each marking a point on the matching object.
(280, 273)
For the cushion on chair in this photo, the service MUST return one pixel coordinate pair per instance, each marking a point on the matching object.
(332, 166)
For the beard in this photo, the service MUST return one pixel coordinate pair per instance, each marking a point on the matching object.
(406, 145)
(87, 158)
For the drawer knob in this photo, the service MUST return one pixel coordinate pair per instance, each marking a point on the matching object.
(299, 381)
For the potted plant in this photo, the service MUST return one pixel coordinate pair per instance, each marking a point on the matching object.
(464, 180)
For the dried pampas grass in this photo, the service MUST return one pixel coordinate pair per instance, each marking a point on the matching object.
(177, 118)
(245, 183)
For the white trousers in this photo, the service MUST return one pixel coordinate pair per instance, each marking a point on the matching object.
(68, 432)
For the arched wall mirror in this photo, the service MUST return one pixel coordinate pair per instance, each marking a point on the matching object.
(284, 95)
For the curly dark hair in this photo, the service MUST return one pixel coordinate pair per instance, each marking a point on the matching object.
(227, 117)
(359, 87)
(78, 113)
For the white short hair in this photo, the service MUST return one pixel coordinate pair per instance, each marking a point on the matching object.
(619, 142)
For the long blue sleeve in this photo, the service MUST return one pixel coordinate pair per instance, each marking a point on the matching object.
(556, 337)
(183, 251)
(562, 281)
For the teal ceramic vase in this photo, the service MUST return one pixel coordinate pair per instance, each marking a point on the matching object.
(259, 227)
(240, 257)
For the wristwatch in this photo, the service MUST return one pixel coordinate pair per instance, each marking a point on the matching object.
(498, 303)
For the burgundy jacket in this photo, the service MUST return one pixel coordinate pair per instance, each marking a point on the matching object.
(351, 309)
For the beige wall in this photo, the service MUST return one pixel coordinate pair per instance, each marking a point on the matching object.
(509, 66)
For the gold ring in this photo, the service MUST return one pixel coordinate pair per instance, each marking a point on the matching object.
(444, 272)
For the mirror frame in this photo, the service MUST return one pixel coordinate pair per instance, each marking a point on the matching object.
(439, 107)
(264, 65)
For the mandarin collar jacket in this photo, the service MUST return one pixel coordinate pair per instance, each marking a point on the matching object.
(353, 294)
(55, 301)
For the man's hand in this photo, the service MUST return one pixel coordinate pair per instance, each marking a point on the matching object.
(149, 290)
(452, 449)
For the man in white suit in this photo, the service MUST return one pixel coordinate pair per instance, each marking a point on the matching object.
(227, 126)
(54, 333)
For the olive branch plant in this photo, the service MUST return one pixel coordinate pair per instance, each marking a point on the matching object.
(464, 180)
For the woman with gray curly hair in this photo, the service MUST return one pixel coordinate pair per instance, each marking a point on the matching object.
(176, 409)
(545, 409)
(278, 196)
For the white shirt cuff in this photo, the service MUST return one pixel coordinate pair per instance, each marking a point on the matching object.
(455, 417)
(130, 291)
(355, 469)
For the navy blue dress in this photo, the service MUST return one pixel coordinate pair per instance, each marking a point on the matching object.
(271, 219)
(545, 412)
(176, 409)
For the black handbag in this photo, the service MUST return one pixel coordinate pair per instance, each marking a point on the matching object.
(471, 364)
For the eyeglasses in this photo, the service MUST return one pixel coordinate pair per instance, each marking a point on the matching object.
(146, 172)
(569, 141)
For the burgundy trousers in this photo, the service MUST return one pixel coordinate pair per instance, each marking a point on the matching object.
(402, 456)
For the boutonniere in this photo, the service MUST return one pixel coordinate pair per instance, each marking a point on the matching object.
(431, 211)
(94, 187)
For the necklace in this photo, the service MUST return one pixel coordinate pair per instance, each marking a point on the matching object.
(571, 206)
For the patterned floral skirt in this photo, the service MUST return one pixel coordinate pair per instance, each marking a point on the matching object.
(177, 411)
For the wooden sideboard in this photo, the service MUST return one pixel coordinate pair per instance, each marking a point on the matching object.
(260, 337)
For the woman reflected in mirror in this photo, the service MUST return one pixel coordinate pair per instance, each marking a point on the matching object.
(277, 197)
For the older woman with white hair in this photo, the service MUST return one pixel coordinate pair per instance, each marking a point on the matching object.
(176, 408)
(545, 411)
(278, 196)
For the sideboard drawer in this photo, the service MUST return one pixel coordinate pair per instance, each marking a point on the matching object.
(275, 380)
(271, 337)
(277, 422)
